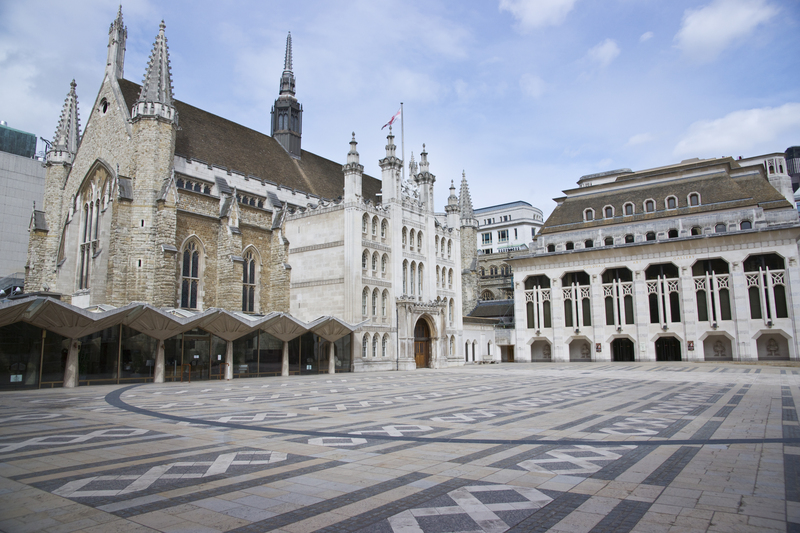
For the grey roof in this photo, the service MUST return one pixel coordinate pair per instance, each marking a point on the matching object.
(38, 221)
(125, 188)
(222, 185)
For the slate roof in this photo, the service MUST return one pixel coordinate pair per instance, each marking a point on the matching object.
(221, 142)
(723, 185)
(493, 309)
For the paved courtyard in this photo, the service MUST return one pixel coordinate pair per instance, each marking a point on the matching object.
(514, 447)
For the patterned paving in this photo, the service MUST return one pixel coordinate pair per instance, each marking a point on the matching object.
(514, 447)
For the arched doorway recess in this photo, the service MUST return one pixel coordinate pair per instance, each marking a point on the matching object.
(622, 350)
(668, 349)
(422, 344)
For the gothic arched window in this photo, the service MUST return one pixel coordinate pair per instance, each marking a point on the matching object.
(190, 276)
(249, 282)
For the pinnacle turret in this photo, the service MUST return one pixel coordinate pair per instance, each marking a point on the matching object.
(155, 99)
(287, 113)
(117, 35)
(68, 134)
(287, 78)
(464, 199)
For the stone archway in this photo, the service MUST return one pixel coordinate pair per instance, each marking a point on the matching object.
(422, 343)
(622, 350)
(668, 349)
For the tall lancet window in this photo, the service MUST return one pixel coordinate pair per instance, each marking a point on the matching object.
(90, 230)
(249, 283)
(190, 276)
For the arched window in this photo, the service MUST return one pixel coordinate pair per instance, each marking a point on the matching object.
(364, 301)
(450, 279)
(384, 343)
(449, 248)
(436, 245)
(384, 262)
(628, 238)
(405, 236)
(375, 262)
(405, 277)
(608, 211)
(450, 313)
(537, 302)
(364, 346)
(588, 243)
(672, 202)
(384, 303)
(190, 276)
(618, 296)
(663, 293)
(419, 241)
(384, 228)
(746, 224)
(570, 245)
(411, 238)
(649, 206)
(374, 226)
(420, 285)
(249, 282)
(437, 277)
(672, 234)
(577, 303)
(365, 224)
(413, 278)
(487, 295)
(766, 283)
(720, 228)
(650, 236)
(697, 230)
(452, 346)
(375, 302)
(712, 284)
(609, 241)
(588, 215)
(694, 199)
(551, 248)
(365, 260)
(375, 345)
(629, 209)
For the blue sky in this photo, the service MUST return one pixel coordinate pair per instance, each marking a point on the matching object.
(525, 96)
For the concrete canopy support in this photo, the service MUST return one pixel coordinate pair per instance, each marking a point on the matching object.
(285, 361)
(331, 360)
(71, 368)
(229, 360)
(158, 377)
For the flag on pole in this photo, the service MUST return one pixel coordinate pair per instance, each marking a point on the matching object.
(391, 120)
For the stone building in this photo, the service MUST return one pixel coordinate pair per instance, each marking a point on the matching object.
(694, 261)
(190, 215)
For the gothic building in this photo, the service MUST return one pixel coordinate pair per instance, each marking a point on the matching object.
(695, 261)
(187, 240)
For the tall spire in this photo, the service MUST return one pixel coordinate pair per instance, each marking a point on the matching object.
(287, 78)
(68, 132)
(155, 98)
(464, 199)
(117, 35)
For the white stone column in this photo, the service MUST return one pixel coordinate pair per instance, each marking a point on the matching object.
(645, 351)
(71, 368)
(229, 360)
(158, 372)
(285, 362)
(331, 360)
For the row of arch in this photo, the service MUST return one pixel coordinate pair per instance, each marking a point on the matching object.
(374, 261)
(495, 270)
(378, 303)
(377, 345)
(648, 206)
(374, 225)
(444, 278)
(672, 233)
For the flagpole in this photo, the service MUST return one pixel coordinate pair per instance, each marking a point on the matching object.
(403, 140)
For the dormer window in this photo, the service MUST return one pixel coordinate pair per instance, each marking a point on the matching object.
(588, 215)
(672, 202)
(649, 206)
(694, 199)
(629, 210)
(608, 211)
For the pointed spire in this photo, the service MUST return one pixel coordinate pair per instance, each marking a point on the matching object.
(117, 35)
(287, 78)
(155, 98)
(68, 133)
(464, 199)
(412, 166)
(424, 166)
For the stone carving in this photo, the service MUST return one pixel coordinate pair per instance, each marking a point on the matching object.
(719, 349)
(585, 351)
(546, 351)
(773, 350)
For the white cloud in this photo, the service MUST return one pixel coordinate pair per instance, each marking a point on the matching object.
(745, 132)
(604, 53)
(533, 86)
(533, 14)
(707, 31)
(646, 36)
(640, 138)
(605, 163)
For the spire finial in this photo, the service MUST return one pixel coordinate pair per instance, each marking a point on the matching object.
(117, 35)
(287, 62)
(464, 199)
(68, 135)
(287, 78)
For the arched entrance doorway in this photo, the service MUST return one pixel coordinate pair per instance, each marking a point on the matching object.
(422, 344)
(622, 350)
(668, 349)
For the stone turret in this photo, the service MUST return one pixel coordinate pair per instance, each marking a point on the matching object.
(155, 99)
(287, 113)
(117, 35)
(452, 208)
(391, 166)
(469, 249)
(425, 180)
(353, 172)
(68, 135)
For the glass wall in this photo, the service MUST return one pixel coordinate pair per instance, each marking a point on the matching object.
(29, 356)
(98, 358)
(194, 355)
(261, 354)
(138, 357)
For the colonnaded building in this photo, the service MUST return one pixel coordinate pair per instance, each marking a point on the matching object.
(696, 261)
(174, 243)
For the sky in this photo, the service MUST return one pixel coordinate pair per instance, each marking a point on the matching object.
(523, 96)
